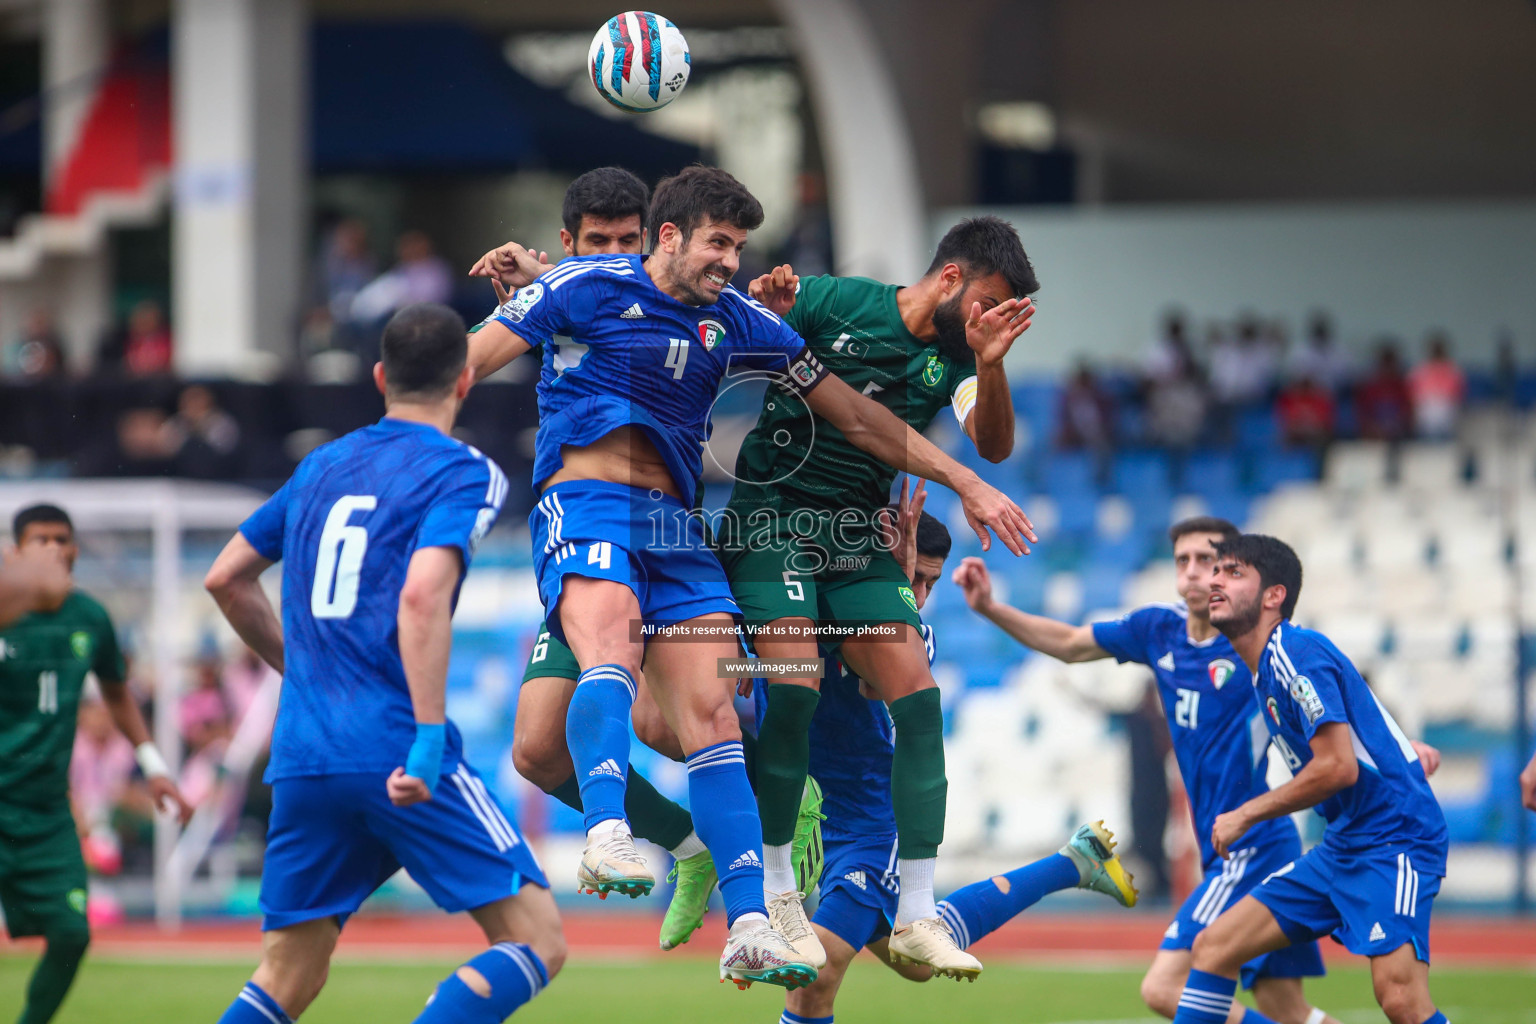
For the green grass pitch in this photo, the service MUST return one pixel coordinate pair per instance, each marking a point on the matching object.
(662, 991)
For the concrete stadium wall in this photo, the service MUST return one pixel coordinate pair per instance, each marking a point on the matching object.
(1108, 274)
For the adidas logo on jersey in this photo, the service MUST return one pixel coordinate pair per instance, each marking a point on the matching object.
(1172, 932)
(857, 878)
(746, 860)
(608, 767)
(1377, 934)
(1166, 662)
(633, 313)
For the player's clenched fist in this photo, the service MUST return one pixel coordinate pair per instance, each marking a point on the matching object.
(1227, 829)
(776, 289)
(975, 582)
(405, 790)
(510, 266)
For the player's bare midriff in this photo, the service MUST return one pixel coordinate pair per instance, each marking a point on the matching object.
(624, 455)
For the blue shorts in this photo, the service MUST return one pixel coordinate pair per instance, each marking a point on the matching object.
(859, 886)
(1240, 874)
(645, 540)
(334, 839)
(1373, 903)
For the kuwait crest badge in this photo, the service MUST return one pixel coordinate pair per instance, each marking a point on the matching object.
(1220, 671)
(710, 333)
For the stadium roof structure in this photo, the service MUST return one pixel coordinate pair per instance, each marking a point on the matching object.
(439, 96)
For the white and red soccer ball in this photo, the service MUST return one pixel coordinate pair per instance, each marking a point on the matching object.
(638, 61)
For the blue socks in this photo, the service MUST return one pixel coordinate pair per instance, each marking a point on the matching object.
(725, 817)
(253, 1006)
(515, 974)
(1438, 1018)
(982, 907)
(1251, 1016)
(597, 731)
(794, 1018)
(1207, 999)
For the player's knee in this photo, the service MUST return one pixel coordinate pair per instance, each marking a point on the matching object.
(541, 761)
(1160, 994)
(552, 950)
(1281, 1002)
(1212, 951)
(69, 935)
(1398, 1001)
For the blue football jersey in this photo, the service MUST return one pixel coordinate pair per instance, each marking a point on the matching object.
(852, 743)
(1218, 739)
(636, 356)
(1304, 682)
(345, 527)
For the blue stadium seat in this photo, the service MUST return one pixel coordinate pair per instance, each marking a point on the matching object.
(1035, 402)
(1102, 589)
(1069, 473)
(1210, 472)
(1273, 468)
(1257, 429)
(1135, 473)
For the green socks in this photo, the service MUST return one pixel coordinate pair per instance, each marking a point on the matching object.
(55, 972)
(918, 785)
(783, 757)
(651, 816)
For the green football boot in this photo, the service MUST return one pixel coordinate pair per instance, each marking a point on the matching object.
(1099, 868)
(695, 879)
(807, 857)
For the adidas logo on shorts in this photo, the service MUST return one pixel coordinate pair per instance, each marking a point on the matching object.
(633, 313)
(857, 878)
(608, 767)
(746, 860)
(1377, 934)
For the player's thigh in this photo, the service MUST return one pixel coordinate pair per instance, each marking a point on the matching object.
(1245, 930)
(694, 695)
(1164, 981)
(539, 749)
(528, 916)
(1401, 983)
(43, 882)
(778, 600)
(599, 617)
(322, 859)
(651, 725)
(894, 667)
(295, 962)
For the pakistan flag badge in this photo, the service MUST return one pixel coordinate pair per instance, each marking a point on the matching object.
(908, 596)
(933, 372)
(81, 642)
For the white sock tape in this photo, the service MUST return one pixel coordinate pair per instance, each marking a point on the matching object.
(1316, 1016)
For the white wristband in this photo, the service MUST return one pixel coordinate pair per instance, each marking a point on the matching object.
(150, 761)
(1316, 1016)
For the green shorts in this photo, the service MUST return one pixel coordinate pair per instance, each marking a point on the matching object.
(42, 877)
(550, 657)
(859, 591)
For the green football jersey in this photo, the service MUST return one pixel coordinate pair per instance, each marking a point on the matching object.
(44, 659)
(793, 459)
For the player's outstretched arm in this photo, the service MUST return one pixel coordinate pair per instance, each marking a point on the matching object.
(1061, 640)
(426, 634)
(30, 583)
(493, 346)
(873, 428)
(990, 335)
(1333, 767)
(234, 582)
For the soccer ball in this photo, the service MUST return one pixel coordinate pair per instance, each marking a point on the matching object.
(639, 61)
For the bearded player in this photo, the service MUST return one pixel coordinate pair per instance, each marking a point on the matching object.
(45, 657)
(915, 349)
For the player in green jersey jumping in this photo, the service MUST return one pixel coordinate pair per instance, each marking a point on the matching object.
(801, 544)
(44, 660)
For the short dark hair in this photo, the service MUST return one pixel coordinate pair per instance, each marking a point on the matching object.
(39, 514)
(1272, 559)
(982, 246)
(1202, 524)
(607, 193)
(697, 194)
(424, 349)
(933, 539)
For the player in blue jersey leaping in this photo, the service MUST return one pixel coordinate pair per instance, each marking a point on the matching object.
(1371, 882)
(375, 532)
(1221, 748)
(617, 461)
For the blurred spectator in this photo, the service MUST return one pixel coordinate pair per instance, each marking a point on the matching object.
(1171, 354)
(1319, 359)
(204, 716)
(34, 354)
(1382, 403)
(204, 439)
(1306, 412)
(100, 785)
(243, 680)
(419, 275)
(1085, 418)
(1176, 410)
(346, 266)
(140, 446)
(1245, 368)
(143, 347)
(1438, 388)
